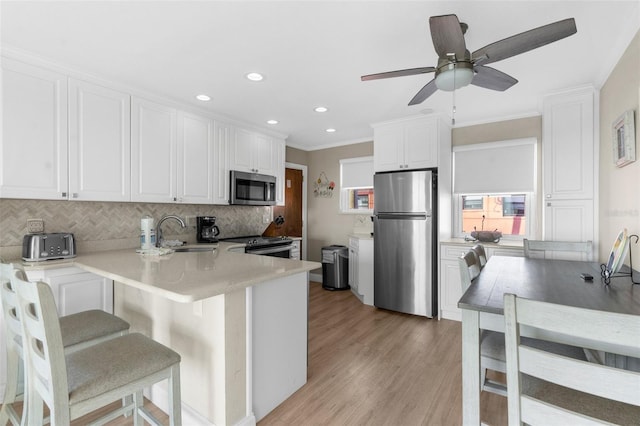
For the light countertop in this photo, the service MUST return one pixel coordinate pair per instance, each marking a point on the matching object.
(361, 236)
(185, 277)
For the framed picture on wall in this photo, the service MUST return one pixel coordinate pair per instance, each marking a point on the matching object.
(624, 139)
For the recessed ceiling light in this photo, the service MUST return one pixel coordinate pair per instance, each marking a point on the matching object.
(254, 76)
(272, 121)
(203, 98)
(330, 130)
(320, 109)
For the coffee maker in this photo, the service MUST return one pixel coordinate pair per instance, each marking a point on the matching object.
(207, 231)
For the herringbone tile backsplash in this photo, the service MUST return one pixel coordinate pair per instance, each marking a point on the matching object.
(104, 221)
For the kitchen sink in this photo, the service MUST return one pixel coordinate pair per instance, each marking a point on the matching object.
(193, 249)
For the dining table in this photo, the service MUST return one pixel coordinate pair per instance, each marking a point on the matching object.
(554, 281)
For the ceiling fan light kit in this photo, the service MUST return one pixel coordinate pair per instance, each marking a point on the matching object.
(447, 35)
(454, 75)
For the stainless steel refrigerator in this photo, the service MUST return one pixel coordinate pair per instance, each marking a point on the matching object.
(404, 229)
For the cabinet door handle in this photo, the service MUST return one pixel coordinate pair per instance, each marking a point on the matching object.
(64, 195)
(74, 195)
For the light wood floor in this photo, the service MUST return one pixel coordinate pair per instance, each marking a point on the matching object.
(369, 366)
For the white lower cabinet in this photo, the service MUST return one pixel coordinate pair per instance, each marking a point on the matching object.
(76, 290)
(450, 286)
(295, 250)
(361, 268)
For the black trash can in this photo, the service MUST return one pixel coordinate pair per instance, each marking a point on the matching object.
(335, 267)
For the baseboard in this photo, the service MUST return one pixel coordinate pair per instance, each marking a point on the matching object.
(158, 395)
(315, 277)
(247, 421)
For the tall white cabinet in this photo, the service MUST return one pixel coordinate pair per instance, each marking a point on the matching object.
(570, 166)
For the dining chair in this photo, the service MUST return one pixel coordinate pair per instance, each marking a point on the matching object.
(492, 343)
(547, 388)
(78, 330)
(72, 385)
(564, 250)
(482, 255)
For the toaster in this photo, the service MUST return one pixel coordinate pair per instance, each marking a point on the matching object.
(37, 247)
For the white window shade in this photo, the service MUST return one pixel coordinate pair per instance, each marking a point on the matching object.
(356, 172)
(496, 167)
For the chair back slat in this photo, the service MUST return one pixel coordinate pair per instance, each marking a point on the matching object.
(13, 326)
(563, 250)
(469, 268)
(482, 255)
(612, 332)
(43, 347)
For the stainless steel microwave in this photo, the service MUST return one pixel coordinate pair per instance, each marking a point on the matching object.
(252, 189)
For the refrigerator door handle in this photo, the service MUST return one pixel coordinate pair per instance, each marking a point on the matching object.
(403, 216)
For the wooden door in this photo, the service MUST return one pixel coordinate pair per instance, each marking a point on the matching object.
(292, 209)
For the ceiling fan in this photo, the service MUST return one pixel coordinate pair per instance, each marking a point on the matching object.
(457, 67)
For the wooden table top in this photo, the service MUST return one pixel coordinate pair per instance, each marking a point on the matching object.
(554, 281)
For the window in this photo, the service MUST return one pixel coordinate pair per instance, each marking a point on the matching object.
(494, 185)
(472, 202)
(506, 213)
(513, 205)
(356, 185)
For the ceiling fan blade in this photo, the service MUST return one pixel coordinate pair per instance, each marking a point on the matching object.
(428, 90)
(526, 41)
(491, 78)
(447, 36)
(399, 73)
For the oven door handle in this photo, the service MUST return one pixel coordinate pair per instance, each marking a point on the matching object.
(269, 250)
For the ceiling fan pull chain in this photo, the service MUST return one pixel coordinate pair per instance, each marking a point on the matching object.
(453, 95)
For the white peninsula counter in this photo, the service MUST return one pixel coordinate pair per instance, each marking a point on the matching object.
(239, 322)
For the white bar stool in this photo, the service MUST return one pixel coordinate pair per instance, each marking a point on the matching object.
(78, 331)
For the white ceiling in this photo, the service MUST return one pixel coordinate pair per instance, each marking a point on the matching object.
(314, 52)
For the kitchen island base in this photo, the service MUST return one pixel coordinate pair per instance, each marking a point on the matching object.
(243, 352)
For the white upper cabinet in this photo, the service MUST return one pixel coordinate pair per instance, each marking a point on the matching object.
(69, 138)
(33, 153)
(568, 147)
(252, 152)
(265, 155)
(223, 134)
(406, 144)
(280, 147)
(99, 143)
(153, 152)
(195, 159)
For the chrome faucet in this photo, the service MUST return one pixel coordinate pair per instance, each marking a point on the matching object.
(159, 238)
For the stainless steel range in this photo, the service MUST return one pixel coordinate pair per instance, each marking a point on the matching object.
(266, 246)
